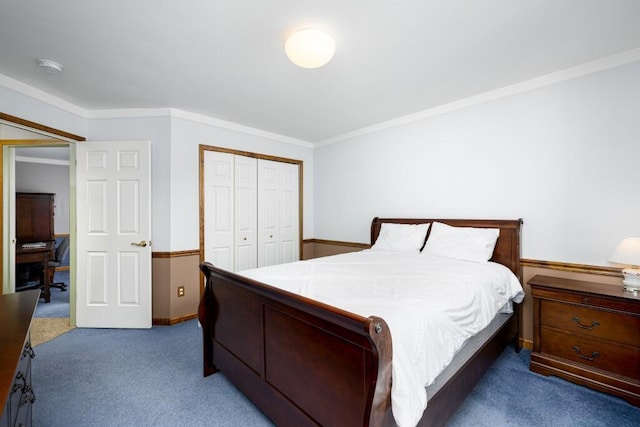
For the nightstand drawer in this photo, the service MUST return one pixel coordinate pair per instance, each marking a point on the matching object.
(616, 327)
(619, 359)
(627, 305)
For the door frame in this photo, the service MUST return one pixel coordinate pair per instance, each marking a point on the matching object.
(59, 138)
(203, 148)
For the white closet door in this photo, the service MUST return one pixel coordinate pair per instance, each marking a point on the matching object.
(278, 224)
(219, 209)
(289, 213)
(246, 215)
(268, 213)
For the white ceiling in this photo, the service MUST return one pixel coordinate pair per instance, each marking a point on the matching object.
(225, 59)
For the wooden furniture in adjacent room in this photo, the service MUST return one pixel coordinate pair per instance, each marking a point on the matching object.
(333, 359)
(41, 256)
(16, 312)
(587, 333)
(34, 224)
(34, 217)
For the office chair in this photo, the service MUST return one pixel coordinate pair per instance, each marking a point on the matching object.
(60, 254)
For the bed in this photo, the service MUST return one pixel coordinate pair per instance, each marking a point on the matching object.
(305, 362)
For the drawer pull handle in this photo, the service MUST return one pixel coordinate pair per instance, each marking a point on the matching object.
(589, 327)
(16, 385)
(28, 351)
(594, 354)
(28, 396)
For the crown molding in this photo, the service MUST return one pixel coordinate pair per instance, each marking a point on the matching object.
(592, 67)
(120, 113)
(42, 161)
(40, 95)
(175, 113)
(200, 118)
(539, 82)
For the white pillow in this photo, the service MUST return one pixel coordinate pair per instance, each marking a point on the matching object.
(401, 237)
(463, 243)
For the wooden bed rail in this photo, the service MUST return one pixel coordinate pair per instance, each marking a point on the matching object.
(273, 344)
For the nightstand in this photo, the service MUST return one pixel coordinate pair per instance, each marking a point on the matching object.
(587, 333)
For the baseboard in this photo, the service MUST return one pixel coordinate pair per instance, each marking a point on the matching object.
(173, 320)
(526, 344)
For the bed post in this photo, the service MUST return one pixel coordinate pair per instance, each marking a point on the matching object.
(380, 334)
(517, 342)
(206, 317)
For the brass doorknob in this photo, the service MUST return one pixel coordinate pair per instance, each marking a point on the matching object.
(141, 244)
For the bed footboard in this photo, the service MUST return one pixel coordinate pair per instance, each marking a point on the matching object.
(300, 361)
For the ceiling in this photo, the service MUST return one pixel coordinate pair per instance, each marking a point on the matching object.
(225, 59)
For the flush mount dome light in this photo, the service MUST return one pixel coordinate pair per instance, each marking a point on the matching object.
(49, 66)
(310, 48)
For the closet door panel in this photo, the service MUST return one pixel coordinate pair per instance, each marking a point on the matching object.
(289, 223)
(251, 211)
(219, 209)
(246, 215)
(268, 213)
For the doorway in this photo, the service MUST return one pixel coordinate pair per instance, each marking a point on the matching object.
(42, 173)
(36, 144)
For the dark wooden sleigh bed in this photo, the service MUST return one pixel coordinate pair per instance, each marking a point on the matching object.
(306, 363)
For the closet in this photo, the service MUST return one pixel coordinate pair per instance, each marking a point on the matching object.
(251, 211)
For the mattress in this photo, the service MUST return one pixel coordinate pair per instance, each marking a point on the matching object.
(433, 306)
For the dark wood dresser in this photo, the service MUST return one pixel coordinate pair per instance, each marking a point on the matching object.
(16, 311)
(587, 333)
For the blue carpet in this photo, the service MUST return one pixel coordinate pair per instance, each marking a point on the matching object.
(128, 377)
(153, 377)
(511, 395)
(59, 305)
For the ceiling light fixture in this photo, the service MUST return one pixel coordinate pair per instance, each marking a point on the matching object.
(310, 48)
(50, 66)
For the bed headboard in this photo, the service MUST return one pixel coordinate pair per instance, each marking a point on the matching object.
(506, 252)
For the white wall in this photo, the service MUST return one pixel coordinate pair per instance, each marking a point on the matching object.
(175, 169)
(559, 157)
(174, 153)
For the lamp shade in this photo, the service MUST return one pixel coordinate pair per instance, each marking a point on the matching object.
(310, 48)
(627, 252)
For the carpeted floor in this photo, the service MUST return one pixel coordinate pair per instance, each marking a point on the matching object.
(59, 305)
(153, 377)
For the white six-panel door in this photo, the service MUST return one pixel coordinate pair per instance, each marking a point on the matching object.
(113, 216)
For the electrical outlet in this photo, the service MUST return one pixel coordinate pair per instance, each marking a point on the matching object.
(180, 291)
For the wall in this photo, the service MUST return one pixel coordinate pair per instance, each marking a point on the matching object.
(45, 178)
(175, 139)
(37, 106)
(554, 156)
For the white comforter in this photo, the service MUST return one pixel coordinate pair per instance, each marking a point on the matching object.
(431, 304)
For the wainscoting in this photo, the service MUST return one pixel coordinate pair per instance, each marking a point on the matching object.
(174, 269)
(171, 270)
